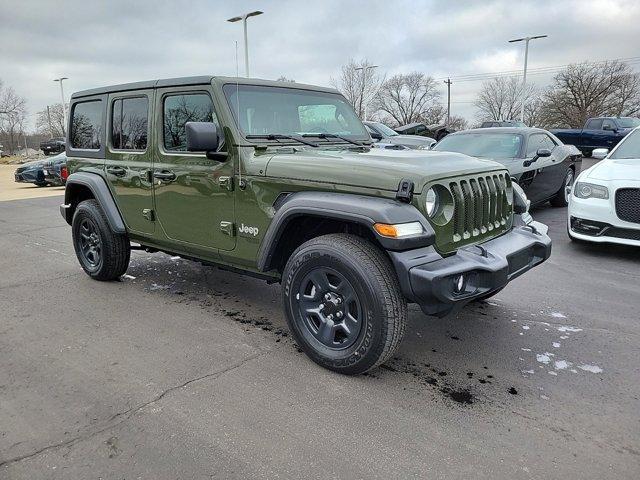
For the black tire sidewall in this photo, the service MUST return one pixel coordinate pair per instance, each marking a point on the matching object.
(363, 353)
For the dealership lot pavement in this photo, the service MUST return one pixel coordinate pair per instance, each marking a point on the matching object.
(185, 371)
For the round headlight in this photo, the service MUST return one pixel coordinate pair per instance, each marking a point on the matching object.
(585, 190)
(432, 202)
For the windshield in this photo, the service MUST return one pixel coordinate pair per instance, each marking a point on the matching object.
(263, 110)
(629, 147)
(628, 122)
(486, 145)
(384, 130)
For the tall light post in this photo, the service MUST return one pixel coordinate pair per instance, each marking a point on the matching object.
(524, 76)
(64, 106)
(246, 43)
(364, 76)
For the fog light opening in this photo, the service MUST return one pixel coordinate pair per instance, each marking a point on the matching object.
(459, 284)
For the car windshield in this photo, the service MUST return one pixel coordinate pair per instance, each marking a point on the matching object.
(265, 110)
(386, 131)
(629, 147)
(485, 145)
(628, 122)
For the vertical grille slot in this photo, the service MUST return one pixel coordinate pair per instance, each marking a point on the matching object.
(458, 216)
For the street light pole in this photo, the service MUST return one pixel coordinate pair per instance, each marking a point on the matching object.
(64, 107)
(524, 75)
(364, 76)
(246, 41)
(448, 82)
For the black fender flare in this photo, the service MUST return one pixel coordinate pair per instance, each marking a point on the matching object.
(100, 190)
(360, 209)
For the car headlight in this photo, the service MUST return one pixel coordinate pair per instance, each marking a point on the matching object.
(432, 202)
(399, 230)
(521, 203)
(590, 190)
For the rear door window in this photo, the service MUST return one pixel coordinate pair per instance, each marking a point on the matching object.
(129, 123)
(87, 125)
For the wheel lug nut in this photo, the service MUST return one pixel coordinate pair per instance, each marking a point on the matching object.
(327, 296)
(330, 317)
(339, 314)
(321, 306)
(338, 300)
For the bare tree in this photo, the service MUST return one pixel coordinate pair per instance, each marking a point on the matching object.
(13, 108)
(282, 78)
(501, 99)
(590, 90)
(408, 98)
(57, 127)
(359, 83)
(456, 122)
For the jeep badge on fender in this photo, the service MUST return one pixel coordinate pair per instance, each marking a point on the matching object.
(353, 233)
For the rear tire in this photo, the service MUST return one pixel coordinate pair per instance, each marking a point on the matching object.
(562, 197)
(363, 315)
(103, 254)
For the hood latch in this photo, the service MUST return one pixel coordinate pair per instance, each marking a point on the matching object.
(405, 190)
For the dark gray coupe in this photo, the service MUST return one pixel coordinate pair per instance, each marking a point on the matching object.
(537, 160)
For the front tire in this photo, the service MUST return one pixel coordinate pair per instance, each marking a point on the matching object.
(343, 303)
(103, 254)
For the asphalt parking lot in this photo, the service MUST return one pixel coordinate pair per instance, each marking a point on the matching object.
(185, 371)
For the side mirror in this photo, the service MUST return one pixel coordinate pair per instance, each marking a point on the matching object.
(607, 127)
(202, 136)
(600, 153)
(376, 136)
(543, 152)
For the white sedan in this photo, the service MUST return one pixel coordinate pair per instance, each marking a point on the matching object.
(605, 202)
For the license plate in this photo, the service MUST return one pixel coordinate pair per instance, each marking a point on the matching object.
(45, 172)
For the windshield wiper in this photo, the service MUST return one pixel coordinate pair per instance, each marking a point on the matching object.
(333, 135)
(278, 136)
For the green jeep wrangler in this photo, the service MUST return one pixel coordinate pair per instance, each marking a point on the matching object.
(281, 181)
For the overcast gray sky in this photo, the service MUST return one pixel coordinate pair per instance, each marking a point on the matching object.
(105, 42)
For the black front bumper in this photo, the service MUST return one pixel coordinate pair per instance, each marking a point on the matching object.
(431, 280)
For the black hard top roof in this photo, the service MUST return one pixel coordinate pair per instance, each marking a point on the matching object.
(197, 80)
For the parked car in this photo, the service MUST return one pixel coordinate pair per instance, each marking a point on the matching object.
(55, 145)
(539, 162)
(381, 133)
(295, 194)
(31, 172)
(502, 123)
(390, 146)
(55, 170)
(434, 131)
(601, 132)
(605, 204)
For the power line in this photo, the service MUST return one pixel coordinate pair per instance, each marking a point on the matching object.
(472, 77)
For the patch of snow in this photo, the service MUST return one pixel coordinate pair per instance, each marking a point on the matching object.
(155, 286)
(558, 315)
(553, 373)
(513, 321)
(525, 327)
(573, 370)
(590, 368)
(564, 337)
(568, 328)
(556, 344)
(530, 372)
(492, 304)
(561, 364)
(525, 349)
(543, 358)
(521, 333)
(129, 277)
(175, 258)
(544, 397)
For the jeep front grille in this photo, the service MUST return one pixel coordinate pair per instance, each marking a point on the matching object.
(482, 207)
(628, 204)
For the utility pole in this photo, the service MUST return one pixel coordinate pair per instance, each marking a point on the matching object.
(49, 118)
(64, 106)
(364, 78)
(448, 82)
(246, 41)
(524, 75)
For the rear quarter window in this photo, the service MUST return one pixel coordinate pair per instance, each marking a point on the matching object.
(87, 125)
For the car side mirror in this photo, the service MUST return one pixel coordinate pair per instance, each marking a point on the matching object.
(543, 152)
(607, 127)
(376, 136)
(202, 136)
(600, 153)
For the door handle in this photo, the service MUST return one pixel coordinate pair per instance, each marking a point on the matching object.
(165, 175)
(117, 171)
